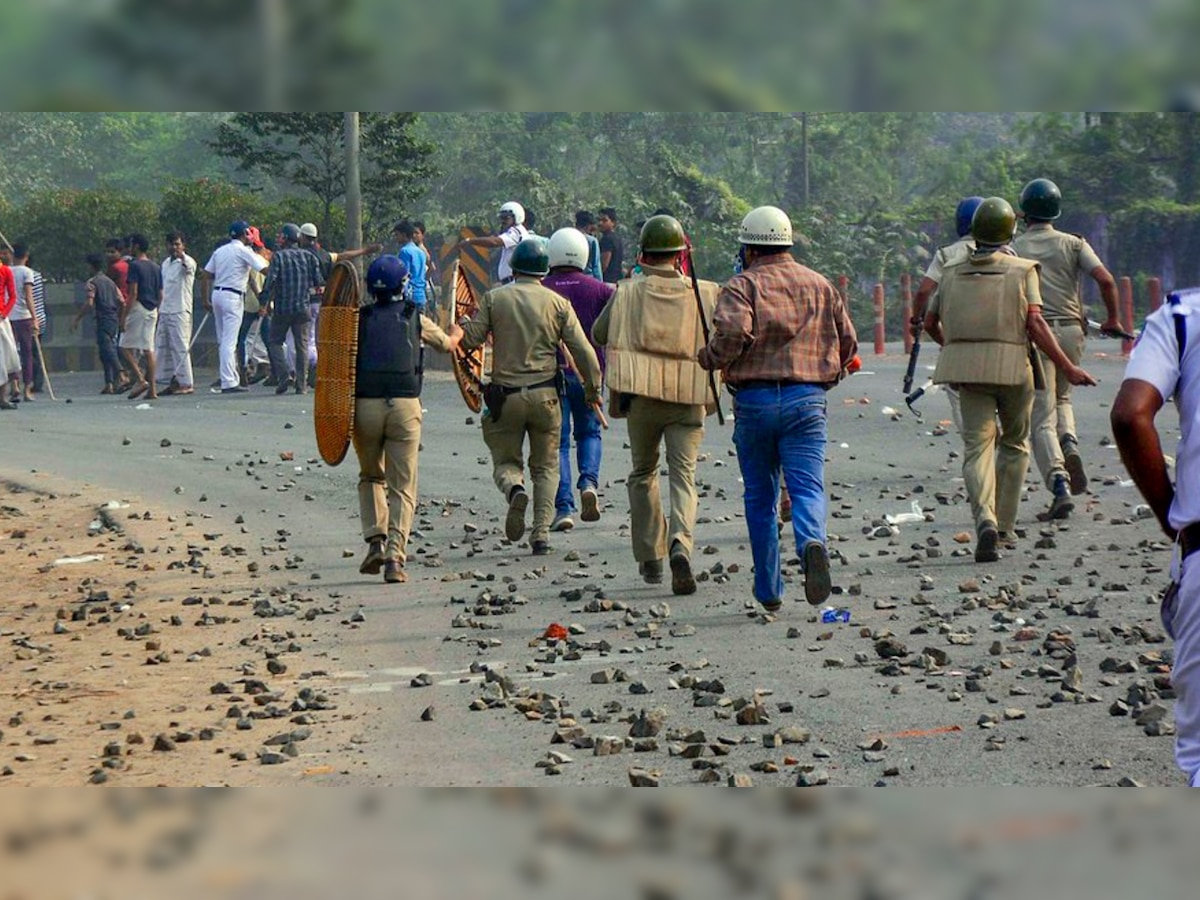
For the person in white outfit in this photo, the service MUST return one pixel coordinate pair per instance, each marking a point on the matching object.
(1165, 365)
(226, 274)
(175, 317)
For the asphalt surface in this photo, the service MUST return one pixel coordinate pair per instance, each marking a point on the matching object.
(879, 463)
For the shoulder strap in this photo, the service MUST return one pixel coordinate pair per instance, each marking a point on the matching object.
(1180, 317)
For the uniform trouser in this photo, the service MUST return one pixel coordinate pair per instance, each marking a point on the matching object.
(995, 457)
(281, 325)
(584, 422)
(387, 434)
(106, 344)
(538, 414)
(174, 334)
(781, 429)
(227, 319)
(1053, 415)
(680, 426)
(1183, 623)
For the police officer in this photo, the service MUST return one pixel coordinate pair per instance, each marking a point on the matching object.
(962, 247)
(1165, 363)
(527, 321)
(653, 331)
(987, 310)
(512, 232)
(387, 414)
(1063, 258)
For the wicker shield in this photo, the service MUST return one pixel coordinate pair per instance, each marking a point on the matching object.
(337, 356)
(468, 364)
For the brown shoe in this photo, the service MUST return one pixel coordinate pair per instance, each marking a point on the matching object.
(373, 561)
(393, 572)
(108, 389)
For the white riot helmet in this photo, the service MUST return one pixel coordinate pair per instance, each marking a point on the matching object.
(514, 209)
(568, 247)
(766, 226)
(308, 229)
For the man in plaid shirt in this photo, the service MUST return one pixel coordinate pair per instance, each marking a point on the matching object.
(293, 273)
(782, 336)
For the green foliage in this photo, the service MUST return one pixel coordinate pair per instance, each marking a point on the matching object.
(203, 209)
(61, 226)
(1156, 237)
(306, 151)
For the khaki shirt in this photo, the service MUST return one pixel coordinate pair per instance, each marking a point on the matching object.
(1064, 258)
(526, 321)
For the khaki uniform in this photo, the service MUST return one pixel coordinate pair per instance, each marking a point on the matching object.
(1063, 258)
(983, 306)
(526, 322)
(387, 435)
(652, 329)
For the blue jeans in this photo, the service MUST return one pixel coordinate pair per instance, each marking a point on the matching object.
(778, 428)
(581, 419)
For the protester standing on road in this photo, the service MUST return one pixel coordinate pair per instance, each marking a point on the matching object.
(415, 259)
(568, 252)
(175, 315)
(21, 318)
(139, 321)
(226, 274)
(1063, 258)
(527, 322)
(612, 248)
(104, 300)
(783, 337)
(291, 280)
(985, 314)
(387, 413)
(10, 356)
(653, 331)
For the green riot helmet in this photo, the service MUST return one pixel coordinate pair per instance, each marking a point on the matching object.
(994, 222)
(530, 257)
(662, 234)
(1041, 200)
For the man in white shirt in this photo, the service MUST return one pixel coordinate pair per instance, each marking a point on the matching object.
(226, 274)
(512, 232)
(1165, 365)
(175, 316)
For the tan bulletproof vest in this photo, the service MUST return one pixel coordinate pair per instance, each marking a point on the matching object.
(654, 336)
(983, 309)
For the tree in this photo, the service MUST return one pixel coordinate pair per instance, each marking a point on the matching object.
(306, 151)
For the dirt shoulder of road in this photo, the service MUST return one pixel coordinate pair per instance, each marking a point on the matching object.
(141, 646)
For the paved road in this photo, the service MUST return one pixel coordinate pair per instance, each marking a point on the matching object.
(879, 463)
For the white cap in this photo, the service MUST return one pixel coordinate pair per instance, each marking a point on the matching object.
(308, 229)
(568, 247)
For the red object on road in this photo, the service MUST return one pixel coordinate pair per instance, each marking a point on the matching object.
(555, 632)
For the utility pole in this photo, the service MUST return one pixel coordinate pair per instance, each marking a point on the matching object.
(354, 234)
(804, 155)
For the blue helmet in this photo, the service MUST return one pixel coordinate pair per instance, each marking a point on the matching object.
(387, 276)
(290, 232)
(965, 213)
(238, 228)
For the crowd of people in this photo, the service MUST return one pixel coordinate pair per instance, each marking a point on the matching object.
(572, 315)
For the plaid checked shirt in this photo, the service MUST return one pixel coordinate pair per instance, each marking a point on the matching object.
(780, 321)
(290, 278)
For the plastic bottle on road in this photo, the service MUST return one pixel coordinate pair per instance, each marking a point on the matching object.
(829, 615)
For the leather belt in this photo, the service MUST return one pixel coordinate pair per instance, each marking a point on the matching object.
(764, 383)
(231, 290)
(530, 387)
(1189, 539)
